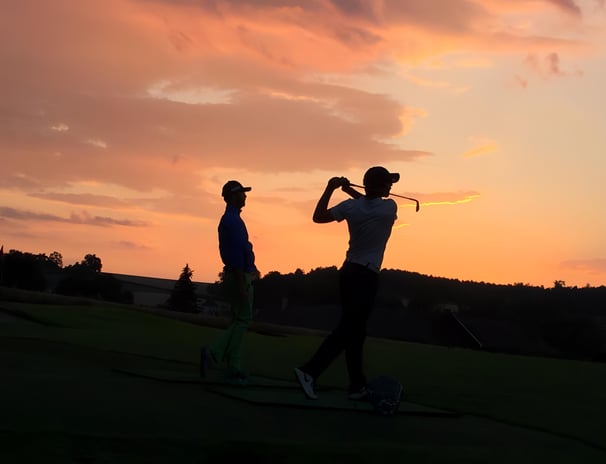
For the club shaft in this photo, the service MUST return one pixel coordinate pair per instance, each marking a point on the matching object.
(391, 194)
(402, 196)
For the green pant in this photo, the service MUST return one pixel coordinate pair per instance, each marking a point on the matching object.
(227, 348)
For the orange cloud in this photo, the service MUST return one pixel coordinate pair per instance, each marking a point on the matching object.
(482, 146)
(165, 98)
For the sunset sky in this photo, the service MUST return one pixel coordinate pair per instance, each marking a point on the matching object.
(120, 120)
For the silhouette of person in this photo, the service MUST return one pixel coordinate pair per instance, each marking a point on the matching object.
(239, 271)
(370, 219)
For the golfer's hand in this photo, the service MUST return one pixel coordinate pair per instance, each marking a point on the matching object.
(337, 182)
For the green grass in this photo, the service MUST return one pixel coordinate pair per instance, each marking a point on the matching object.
(62, 400)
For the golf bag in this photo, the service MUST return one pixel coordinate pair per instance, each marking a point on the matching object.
(385, 394)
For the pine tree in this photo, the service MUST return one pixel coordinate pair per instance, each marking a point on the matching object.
(183, 296)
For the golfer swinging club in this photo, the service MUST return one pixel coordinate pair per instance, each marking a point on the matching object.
(370, 219)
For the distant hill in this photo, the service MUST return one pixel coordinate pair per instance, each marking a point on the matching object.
(562, 321)
(152, 291)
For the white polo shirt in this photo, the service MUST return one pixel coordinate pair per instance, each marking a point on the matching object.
(369, 223)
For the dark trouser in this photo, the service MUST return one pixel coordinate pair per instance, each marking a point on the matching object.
(358, 288)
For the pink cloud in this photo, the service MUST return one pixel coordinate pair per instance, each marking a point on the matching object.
(131, 246)
(74, 218)
(83, 199)
(548, 66)
(82, 71)
(568, 6)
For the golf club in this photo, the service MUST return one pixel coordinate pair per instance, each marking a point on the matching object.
(395, 195)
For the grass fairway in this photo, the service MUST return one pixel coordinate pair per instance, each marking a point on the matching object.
(63, 399)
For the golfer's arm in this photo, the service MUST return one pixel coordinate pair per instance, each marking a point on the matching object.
(321, 213)
(352, 192)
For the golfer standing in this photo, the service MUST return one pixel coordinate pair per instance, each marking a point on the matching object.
(239, 271)
(370, 219)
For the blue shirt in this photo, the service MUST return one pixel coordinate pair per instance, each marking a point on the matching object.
(235, 249)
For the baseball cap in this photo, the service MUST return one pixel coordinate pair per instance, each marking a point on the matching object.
(233, 186)
(378, 175)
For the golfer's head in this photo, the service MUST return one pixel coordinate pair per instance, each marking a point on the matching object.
(378, 181)
(234, 192)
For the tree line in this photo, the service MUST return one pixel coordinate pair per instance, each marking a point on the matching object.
(561, 320)
(41, 272)
(567, 321)
(399, 288)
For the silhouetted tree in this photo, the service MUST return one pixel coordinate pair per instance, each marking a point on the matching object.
(24, 270)
(80, 281)
(183, 296)
(85, 279)
(92, 262)
(56, 258)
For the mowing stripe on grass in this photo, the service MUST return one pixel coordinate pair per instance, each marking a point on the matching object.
(187, 377)
(174, 376)
(327, 400)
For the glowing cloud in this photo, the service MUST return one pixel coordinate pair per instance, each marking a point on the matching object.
(139, 110)
(446, 198)
(97, 143)
(483, 147)
(60, 127)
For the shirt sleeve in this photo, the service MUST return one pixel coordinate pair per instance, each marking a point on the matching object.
(339, 211)
(395, 208)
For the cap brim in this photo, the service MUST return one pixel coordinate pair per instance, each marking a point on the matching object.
(394, 177)
(240, 189)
